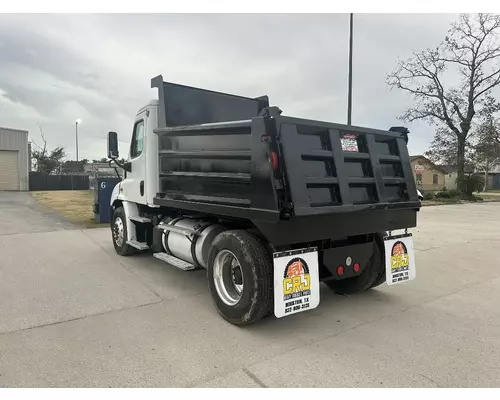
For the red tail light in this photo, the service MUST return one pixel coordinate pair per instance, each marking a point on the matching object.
(340, 270)
(274, 160)
(356, 267)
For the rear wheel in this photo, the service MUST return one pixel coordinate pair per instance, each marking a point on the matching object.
(119, 233)
(240, 277)
(373, 275)
(381, 278)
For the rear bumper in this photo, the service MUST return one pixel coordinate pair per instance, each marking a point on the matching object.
(312, 228)
(345, 256)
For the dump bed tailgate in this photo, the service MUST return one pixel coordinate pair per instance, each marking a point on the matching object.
(331, 168)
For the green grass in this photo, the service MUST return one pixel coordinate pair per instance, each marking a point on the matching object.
(442, 201)
(482, 197)
(75, 206)
(492, 193)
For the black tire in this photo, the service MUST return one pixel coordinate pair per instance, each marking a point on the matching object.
(255, 264)
(124, 249)
(381, 278)
(370, 277)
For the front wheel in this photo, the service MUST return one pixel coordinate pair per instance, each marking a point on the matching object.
(240, 277)
(119, 233)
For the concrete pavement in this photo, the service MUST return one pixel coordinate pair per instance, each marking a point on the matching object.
(19, 213)
(73, 313)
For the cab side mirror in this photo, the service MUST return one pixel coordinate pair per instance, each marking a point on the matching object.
(113, 145)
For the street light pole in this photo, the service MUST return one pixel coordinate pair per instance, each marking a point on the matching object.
(349, 89)
(76, 137)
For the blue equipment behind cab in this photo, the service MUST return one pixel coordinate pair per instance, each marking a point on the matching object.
(102, 195)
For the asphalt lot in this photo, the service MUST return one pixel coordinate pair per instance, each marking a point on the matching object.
(73, 313)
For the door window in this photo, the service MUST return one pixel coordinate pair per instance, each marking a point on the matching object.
(137, 144)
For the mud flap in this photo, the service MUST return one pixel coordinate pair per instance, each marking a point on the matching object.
(399, 259)
(296, 281)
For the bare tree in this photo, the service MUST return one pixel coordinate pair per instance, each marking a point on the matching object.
(45, 161)
(443, 148)
(471, 52)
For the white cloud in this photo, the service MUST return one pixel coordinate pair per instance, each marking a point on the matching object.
(56, 68)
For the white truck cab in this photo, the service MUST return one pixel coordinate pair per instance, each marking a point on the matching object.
(140, 185)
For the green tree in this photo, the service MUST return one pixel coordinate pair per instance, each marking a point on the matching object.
(470, 183)
(487, 147)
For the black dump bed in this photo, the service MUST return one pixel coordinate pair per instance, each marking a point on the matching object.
(296, 180)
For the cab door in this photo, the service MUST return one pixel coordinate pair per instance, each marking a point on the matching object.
(133, 185)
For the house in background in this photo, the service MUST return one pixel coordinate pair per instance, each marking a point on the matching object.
(428, 176)
(450, 177)
(493, 182)
(495, 179)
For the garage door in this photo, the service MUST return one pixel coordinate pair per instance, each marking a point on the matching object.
(9, 170)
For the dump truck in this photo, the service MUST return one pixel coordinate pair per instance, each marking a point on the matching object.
(269, 205)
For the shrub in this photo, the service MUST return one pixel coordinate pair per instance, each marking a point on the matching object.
(448, 194)
(428, 196)
(444, 195)
(470, 184)
(472, 198)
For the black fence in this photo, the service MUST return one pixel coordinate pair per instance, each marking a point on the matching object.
(42, 181)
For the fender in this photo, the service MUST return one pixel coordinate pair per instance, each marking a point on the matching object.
(129, 208)
(116, 194)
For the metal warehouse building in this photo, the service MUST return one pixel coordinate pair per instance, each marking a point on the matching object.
(14, 159)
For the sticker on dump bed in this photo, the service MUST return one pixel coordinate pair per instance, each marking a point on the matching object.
(296, 281)
(399, 259)
(349, 143)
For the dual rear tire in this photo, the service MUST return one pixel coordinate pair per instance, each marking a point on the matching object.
(240, 277)
(373, 274)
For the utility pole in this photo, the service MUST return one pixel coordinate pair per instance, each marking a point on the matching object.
(349, 90)
(486, 175)
(76, 137)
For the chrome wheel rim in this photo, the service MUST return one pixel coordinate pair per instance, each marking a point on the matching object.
(118, 231)
(228, 277)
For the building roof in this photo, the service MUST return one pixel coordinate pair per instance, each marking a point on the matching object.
(449, 168)
(4, 128)
(439, 167)
(493, 171)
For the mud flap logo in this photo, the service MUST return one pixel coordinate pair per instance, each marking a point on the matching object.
(400, 262)
(296, 285)
(296, 281)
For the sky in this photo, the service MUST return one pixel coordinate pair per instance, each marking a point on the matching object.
(55, 69)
